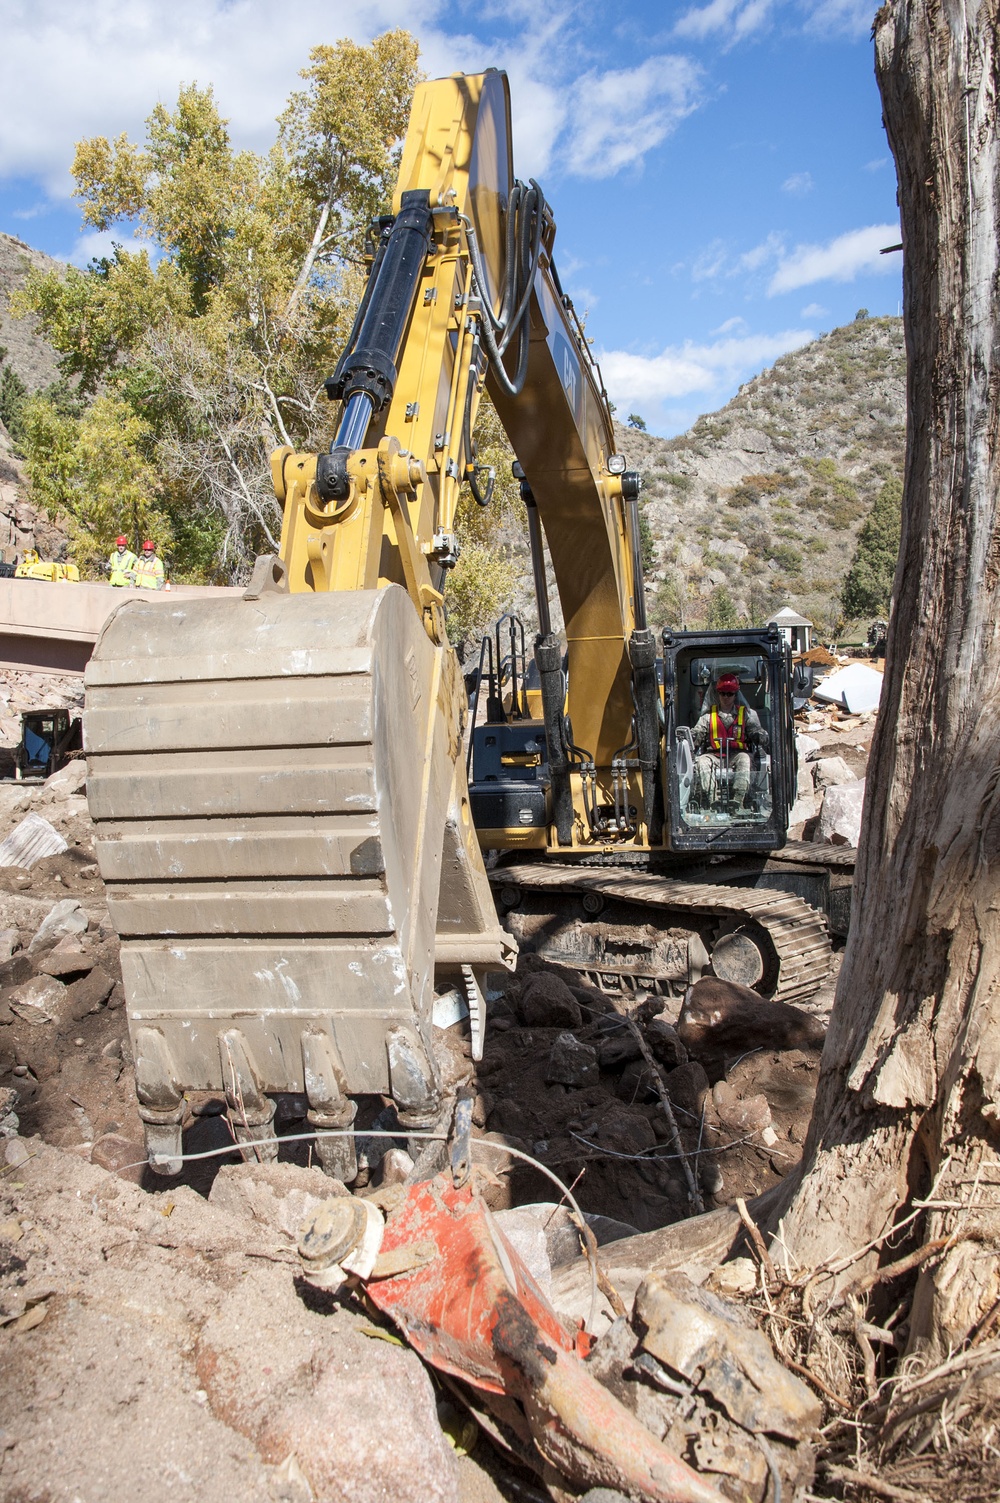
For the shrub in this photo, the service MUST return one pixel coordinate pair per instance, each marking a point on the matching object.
(721, 614)
(682, 483)
(787, 557)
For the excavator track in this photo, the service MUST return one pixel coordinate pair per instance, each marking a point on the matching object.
(796, 932)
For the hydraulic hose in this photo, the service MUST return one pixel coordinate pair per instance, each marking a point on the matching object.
(525, 221)
(473, 470)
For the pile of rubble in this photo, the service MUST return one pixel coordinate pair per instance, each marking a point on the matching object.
(832, 762)
(163, 1308)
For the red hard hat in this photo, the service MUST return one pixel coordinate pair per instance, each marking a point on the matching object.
(728, 684)
(121, 542)
(148, 544)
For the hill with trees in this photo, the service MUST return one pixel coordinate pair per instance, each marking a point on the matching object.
(765, 502)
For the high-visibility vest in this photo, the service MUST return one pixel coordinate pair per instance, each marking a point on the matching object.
(149, 573)
(121, 566)
(734, 735)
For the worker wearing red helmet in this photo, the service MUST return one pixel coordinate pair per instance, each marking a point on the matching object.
(149, 574)
(723, 738)
(122, 563)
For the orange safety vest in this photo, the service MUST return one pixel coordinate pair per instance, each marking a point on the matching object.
(734, 734)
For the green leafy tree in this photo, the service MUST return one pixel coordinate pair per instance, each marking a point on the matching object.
(867, 586)
(635, 421)
(219, 343)
(98, 472)
(13, 395)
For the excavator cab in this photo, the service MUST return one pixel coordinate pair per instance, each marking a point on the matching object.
(728, 787)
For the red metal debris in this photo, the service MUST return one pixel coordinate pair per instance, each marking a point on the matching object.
(466, 1302)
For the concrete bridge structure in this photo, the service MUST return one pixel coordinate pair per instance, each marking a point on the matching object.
(51, 627)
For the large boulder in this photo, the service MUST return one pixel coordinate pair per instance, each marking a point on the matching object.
(68, 780)
(720, 1019)
(278, 1195)
(840, 814)
(89, 993)
(804, 806)
(64, 918)
(665, 1044)
(357, 1416)
(547, 1002)
(831, 772)
(72, 956)
(41, 1000)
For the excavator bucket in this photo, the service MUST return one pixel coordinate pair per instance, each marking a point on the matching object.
(282, 822)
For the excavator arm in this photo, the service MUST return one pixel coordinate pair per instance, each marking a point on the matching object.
(278, 782)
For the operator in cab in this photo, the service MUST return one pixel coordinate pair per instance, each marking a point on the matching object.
(121, 564)
(723, 738)
(149, 568)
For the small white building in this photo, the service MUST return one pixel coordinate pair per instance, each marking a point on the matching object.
(796, 629)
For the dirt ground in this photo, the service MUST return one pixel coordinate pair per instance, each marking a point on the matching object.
(156, 1337)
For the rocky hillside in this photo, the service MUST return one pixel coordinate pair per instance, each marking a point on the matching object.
(765, 497)
(32, 357)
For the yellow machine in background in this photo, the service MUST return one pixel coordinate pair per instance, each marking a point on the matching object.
(279, 784)
(33, 567)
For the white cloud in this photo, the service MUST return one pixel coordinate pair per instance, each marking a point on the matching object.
(737, 18)
(735, 325)
(92, 247)
(106, 64)
(839, 261)
(716, 260)
(710, 263)
(620, 115)
(758, 255)
(798, 183)
(814, 311)
(877, 164)
(837, 17)
(681, 370)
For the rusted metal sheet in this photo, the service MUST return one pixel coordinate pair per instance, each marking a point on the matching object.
(467, 1304)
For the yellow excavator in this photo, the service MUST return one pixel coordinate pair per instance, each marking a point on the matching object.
(290, 808)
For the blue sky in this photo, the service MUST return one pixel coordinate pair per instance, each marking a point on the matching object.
(718, 170)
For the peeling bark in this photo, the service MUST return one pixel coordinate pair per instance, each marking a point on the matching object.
(909, 1092)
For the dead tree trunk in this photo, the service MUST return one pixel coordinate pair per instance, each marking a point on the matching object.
(909, 1094)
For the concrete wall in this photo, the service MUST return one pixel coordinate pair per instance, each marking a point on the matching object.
(52, 627)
